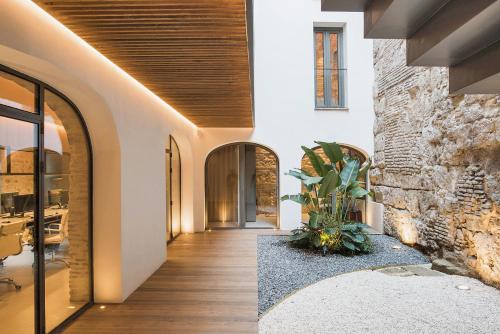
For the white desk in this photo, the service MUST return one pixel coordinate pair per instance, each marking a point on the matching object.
(28, 220)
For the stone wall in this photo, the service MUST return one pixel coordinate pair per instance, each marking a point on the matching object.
(437, 162)
(266, 171)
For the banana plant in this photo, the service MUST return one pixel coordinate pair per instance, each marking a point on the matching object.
(331, 191)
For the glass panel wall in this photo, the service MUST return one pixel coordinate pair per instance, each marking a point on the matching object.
(169, 196)
(266, 187)
(222, 187)
(45, 192)
(242, 187)
(175, 186)
(18, 142)
(66, 214)
(16, 92)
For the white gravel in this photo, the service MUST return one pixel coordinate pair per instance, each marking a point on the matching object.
(374, 302)
(283, 269)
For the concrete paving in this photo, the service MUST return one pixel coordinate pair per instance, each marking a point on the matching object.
(411, 299)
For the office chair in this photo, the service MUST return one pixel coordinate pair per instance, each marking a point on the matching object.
(55, 234)
(11, 235)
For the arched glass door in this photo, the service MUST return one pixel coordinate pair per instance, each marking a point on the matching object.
(45, 217)
(241, 187)
(173, 190)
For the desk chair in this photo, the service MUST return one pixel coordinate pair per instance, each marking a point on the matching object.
(55, 234)
(11, 235)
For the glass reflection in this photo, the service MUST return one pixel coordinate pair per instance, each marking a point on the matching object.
(66, 215)
(16, 92)
(242, 174)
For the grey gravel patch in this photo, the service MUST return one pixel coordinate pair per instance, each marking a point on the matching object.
(283, 269)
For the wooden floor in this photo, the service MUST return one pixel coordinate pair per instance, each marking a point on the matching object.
(207, 285)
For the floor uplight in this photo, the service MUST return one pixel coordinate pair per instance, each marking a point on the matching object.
(396, 247)
(462, 287)
(102, 307)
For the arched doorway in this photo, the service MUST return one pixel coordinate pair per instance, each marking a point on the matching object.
(357, 213)
(241, 187)
(173, 190)
(46, 207)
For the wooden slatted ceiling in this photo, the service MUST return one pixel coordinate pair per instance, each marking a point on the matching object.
(191, 53)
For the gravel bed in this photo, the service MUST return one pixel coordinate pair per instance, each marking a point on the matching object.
(283, 269)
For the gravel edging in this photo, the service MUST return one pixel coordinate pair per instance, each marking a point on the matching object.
(283, 269)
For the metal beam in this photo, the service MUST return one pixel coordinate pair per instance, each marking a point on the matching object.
(479, 74)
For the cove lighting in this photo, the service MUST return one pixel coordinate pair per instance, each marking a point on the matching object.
(49, 18)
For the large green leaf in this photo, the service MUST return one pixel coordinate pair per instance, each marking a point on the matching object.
(332, 151)
(313, 219)
(306, 179)
(299, 236)
(358, 192)
(357, 238)
(316, 161)
(303, 199)
(349, 245)
(329, 184)
(350, 171)
(296, 173)
(311, 180)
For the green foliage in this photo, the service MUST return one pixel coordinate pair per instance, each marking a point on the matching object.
(329, 196)
(325, 231)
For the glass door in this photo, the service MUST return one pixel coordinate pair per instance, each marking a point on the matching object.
(175, 188)
(169, 209)
(46, 208)
(18, 158)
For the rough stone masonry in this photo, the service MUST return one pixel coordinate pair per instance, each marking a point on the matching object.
(437, 162)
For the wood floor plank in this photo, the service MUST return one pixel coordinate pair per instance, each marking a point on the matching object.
(207, 285)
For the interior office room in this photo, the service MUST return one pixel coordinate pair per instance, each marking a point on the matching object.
(64, 177)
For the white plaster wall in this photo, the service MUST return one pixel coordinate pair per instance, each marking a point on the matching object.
(129, 128)
(285, 117)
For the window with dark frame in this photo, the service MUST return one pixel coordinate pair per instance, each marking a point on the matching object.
(328, 68)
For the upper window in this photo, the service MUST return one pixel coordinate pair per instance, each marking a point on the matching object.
(328, 66)
(16, 92)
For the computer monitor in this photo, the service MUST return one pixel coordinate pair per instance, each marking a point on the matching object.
(7, 201)
(58, 197)
(24, 203)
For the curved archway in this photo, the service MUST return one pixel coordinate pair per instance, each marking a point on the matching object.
(241, 187)
(174, 189)
(352, 151)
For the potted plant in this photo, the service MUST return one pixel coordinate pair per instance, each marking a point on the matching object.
(330, 193)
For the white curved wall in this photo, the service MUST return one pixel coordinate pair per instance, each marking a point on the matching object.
(129, 128)
(285, 117)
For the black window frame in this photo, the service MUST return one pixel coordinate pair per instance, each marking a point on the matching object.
(37, 118)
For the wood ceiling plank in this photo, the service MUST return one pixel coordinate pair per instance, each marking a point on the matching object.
(191, 53)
